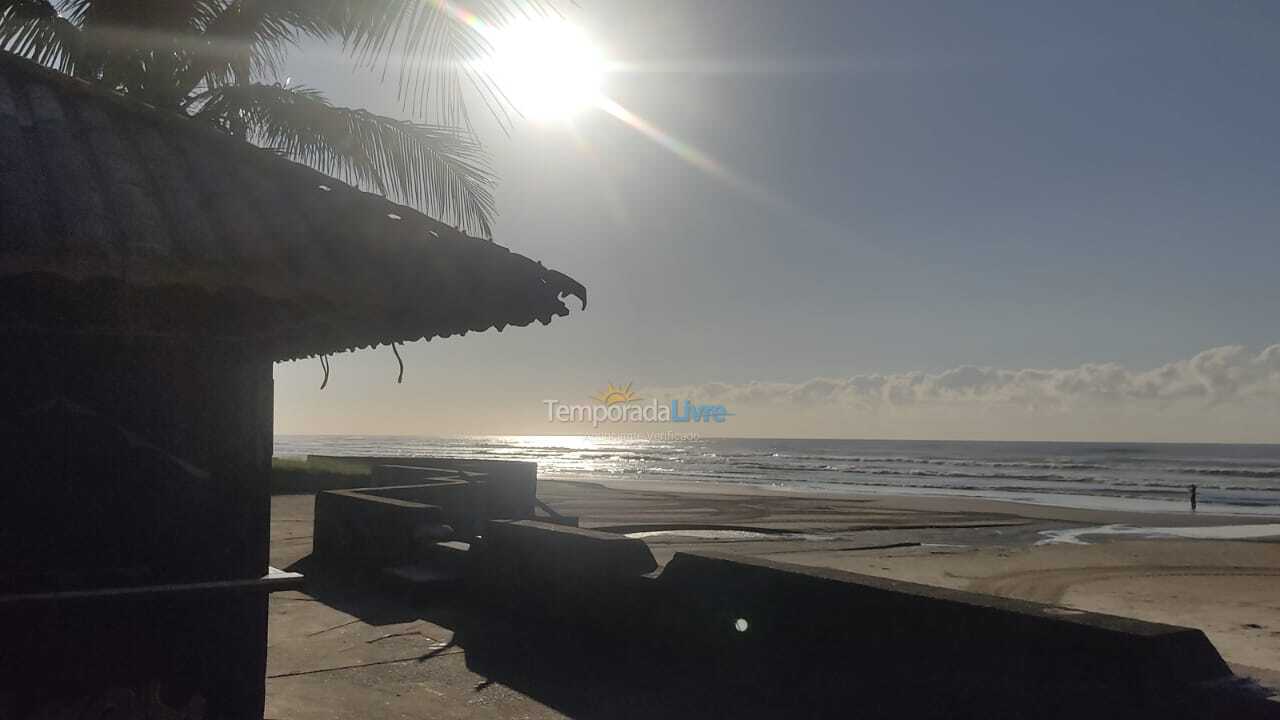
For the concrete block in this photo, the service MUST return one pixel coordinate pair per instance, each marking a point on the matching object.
(363, 528)
(510, 486)
(553, 549)
(566, 574)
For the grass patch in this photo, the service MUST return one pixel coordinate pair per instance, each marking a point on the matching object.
(318, 465)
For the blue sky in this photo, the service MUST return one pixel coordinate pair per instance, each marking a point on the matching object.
(997, 184)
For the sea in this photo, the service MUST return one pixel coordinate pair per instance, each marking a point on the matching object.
(1236, 479)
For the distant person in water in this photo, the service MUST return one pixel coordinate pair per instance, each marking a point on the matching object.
(1193, 498)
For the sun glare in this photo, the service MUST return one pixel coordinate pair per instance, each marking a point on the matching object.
(548, 68)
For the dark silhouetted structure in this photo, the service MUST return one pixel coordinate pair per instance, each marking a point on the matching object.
(151, 270)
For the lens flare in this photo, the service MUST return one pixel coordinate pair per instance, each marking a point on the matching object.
(690, 154)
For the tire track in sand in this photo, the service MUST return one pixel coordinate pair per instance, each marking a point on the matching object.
(1049, 586)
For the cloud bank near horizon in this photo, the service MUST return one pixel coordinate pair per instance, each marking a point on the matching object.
(1227, 376)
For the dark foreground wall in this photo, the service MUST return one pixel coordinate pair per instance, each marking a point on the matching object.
(731, 635)
(134, 474)
(159, 653)
(132, 457)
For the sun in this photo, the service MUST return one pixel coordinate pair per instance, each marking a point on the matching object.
(615, 395)
(548, 68)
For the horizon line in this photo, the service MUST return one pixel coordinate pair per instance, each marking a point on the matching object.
(763, 437)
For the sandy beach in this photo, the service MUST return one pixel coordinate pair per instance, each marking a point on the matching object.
(332, 656)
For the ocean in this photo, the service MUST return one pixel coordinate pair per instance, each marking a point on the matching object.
(1242, 479)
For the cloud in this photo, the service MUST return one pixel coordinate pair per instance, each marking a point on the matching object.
(1228, 375)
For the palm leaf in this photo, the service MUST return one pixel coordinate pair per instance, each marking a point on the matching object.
(245, 39)
(440, 170)
(437, 45)
(35, 30)
(135, 46)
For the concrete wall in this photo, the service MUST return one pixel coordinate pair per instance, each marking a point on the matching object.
(838, 620)
(512, 485)
(359, 528)
(761, 634)
(586, 577)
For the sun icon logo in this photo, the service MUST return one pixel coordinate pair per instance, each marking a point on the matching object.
(616, 395)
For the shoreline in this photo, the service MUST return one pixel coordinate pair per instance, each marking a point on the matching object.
(1233, 480)
(951, 502)
(1239, 475)
(760, 438)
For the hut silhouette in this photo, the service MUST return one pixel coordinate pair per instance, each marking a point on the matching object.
(151, 271)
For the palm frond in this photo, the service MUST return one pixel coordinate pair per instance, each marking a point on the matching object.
(434, 48)
(438, 46)
(439, 170)
(136, 46)
(139, 13)
(250, 39)
(35, 30)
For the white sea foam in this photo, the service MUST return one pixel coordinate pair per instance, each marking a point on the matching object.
(1074, 536)
(716, 534)
(704, 534)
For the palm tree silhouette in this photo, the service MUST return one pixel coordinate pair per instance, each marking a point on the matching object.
(217, 62)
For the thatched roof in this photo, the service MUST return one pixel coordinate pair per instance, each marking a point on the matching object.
(119, 218)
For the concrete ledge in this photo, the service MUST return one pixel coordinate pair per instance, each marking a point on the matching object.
(560, 573)
(371, 527)
(393, 475)
(511, 485)
(462, 504)
(776, 620)
(536, 546)
(288, 481)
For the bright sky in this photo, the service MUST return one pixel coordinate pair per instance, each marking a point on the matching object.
(875, 196)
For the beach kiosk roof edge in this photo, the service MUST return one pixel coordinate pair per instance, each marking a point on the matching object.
(122, 219)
